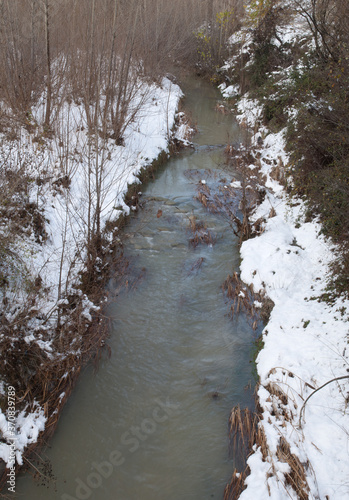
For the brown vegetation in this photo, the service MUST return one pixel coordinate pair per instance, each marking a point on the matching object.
(246, 436)
(237, 203)
(245, 432)
(309, 75)
(200, 233)
(243, 298)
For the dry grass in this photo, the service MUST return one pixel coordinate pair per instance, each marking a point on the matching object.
(296, 478)
(201, 235)
(243, 298)
(244, 433)
(236, 204)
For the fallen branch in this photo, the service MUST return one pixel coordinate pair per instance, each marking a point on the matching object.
(312, 394)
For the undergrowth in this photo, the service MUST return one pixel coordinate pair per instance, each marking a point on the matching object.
(303, 87)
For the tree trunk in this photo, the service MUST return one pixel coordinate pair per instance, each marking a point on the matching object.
(48, 66)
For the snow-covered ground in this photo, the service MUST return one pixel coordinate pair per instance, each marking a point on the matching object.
(66, 208)
(305, 342)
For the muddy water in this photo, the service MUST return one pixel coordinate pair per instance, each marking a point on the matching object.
(152, 423)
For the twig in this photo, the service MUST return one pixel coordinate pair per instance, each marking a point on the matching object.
(37, 470)
(312, 394)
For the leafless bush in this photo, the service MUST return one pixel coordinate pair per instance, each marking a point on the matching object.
(328, 22)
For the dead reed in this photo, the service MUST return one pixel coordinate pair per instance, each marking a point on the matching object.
(201, 235)
(236, 204)
(244, 434)
(296, 478)
(243, 298)
(236, 485)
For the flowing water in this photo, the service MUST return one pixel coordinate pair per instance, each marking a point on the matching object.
(151, 424)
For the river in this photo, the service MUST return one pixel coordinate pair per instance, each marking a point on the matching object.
(152, 423)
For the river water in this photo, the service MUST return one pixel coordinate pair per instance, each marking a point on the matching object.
(152, 423)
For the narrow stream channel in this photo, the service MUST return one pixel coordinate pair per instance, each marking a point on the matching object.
(151, 424)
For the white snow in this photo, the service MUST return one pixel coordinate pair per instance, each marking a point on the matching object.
(231, 91)
(27, 429)
(236, 184)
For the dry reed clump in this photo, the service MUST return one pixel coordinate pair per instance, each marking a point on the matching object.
(237, 204)
(201, 235)
(281, 410)
(296, 478)
(243, 298)
(279, 400)
(245, 434)
(275, 390)
(236, 485)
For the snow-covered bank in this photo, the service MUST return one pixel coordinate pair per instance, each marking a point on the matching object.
(305, 422)
(63, 174)
(305, 344)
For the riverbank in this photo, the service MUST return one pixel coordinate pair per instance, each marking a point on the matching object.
(305, 346)
(303, 365)
(52, 324)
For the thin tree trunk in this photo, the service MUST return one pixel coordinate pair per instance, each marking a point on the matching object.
(109, 89)
(48, 64)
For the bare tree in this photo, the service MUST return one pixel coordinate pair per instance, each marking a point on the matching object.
(48, 64)
(328, 22)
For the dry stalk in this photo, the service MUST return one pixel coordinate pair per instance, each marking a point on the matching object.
(200, 233)
(236, 204)
(296, 478)
(316, 390)
(242, 298)
(244, 433)
(195, 268)
(237, 485)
